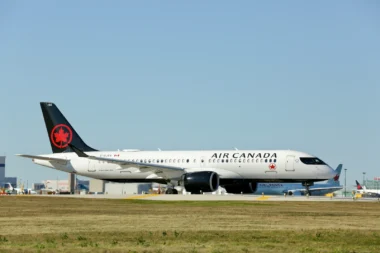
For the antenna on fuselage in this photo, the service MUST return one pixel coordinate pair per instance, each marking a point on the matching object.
(159, 149)
(236, 148)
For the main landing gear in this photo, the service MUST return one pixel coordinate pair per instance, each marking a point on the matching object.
(171, 191)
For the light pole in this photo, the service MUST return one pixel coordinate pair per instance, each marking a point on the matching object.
(345, 181)
(363, 178)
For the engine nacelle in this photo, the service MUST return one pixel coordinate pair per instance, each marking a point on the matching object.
(205, 181)
(295, 193)
(241, 186)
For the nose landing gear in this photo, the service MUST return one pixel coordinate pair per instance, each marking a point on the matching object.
(307, 187)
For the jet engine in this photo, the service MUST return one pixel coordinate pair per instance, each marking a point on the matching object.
(296, 193)
(203, 181)
(241, 186)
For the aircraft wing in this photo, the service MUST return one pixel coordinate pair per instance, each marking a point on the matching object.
(332, 188)
(44, 158)
(145, 167)
(173, 171)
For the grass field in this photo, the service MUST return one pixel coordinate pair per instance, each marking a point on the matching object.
(48, 224)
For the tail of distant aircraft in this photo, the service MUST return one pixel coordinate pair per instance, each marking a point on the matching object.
(60, 132)
(335, 180)
(359, 187)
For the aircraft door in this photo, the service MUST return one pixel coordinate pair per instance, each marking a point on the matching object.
(91, 166)
(289, 166)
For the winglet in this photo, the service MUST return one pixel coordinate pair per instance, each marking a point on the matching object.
(77, 151)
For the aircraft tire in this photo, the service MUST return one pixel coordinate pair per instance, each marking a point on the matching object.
(169, 191)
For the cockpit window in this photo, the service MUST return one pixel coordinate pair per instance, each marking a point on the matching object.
(311, 160)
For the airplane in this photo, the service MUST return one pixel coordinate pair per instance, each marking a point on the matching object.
(29, 191)
(9, 189)
(195, 172)
(367, 192)
(296, 189)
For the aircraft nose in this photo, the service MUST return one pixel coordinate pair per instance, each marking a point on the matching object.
(330, 172)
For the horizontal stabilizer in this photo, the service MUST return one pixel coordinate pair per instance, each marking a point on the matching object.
(44, 158)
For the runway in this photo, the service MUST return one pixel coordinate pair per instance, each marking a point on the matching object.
(209, 197)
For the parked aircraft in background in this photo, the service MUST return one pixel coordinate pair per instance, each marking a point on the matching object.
(290, 189)
(10, 189)
(29, 191)
(367, 192)
(195, 171)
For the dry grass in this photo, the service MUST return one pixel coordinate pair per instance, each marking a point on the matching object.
(46, 224)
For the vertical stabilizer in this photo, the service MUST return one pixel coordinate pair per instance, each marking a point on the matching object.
(335, 180)
(60, 131)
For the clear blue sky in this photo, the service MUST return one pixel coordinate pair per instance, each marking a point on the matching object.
(193, 75)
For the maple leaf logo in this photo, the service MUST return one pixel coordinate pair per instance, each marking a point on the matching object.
(61, 136)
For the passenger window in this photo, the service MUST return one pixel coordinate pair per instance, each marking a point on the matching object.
(173, 160)
(226, 160)
(187, 160)
(257, 160)
(275, 160)
(231, 160)
(183, 160)
(266, 160)
(239, 161)
(261, 160)
(213, 161)
(162, 160)
(270, 160)
(235, 160)
(243, 160)
(170, 160)
(218, 160)
(222, 160)
(195, 160)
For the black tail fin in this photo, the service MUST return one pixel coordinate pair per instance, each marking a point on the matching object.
(60, 132)
(358, 186)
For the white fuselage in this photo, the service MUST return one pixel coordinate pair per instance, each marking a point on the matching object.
(259, 165)
(365, 190)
